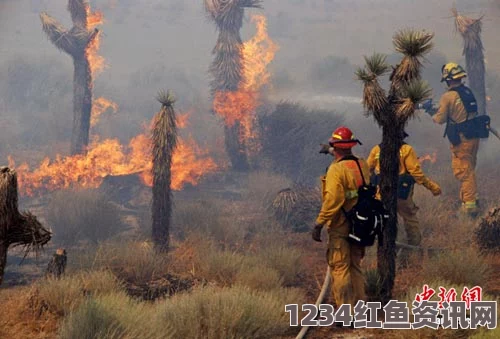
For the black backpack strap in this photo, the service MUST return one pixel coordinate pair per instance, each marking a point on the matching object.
(468, 99)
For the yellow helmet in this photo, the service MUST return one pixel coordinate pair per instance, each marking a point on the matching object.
(452, 71)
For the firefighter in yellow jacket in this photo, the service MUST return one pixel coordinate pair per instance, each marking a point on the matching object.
(410, 173)
(340, 189)
(456, 106)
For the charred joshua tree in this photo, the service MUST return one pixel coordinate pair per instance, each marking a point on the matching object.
(164, 144)
(391, 111)
(76, 43)
(470, 30)
(16, 229)
(227, 67)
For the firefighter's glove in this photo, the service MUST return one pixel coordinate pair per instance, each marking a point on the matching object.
(316, 233)
(325, 149)
(433, 187)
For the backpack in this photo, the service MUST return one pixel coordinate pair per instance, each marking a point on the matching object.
(478, 127)
(367, 217)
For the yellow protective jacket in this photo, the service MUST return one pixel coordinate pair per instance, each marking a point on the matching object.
(408, 164)
(340, 189)
(451, 106)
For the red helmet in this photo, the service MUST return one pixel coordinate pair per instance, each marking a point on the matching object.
(343, 137)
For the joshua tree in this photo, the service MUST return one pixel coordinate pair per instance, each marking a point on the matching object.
(470, 30)
(227, 67)
(391, 112)
(76, 42)
(16, 229)
(164, 143)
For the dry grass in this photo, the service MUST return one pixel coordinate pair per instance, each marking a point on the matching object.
(229, 313)
(113, 315)
(83, 215)
(60, 296)
(130, 261)
(465, 266)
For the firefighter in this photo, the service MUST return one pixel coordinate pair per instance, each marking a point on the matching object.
(339, 194)
(457, 105)
(410, 173)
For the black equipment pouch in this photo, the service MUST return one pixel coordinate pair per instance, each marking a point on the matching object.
(367, 217)
(476, 128)
(452, 131)
(405, 185)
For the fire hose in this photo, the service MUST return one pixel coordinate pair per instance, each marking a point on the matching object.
(326, 284)
(321, 296)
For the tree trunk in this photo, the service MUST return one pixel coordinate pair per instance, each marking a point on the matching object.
(82, 104)
(389, 164)
(3, 257)
(161, 211)
(475, 72)
(235, 147)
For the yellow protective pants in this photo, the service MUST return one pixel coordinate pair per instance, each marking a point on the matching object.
(463, 163)
(344, 259)
(407, 210)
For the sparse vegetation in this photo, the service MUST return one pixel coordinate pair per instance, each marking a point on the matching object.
(83, 215)
(464, 266)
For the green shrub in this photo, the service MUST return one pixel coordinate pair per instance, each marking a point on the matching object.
(83, 215)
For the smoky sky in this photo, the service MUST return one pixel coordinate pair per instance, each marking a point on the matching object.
(151, 45)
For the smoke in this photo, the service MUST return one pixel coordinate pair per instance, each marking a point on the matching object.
(152, 45)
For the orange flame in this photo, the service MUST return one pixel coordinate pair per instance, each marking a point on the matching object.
(432, 158)
(241, 105)
(109, 157)
(99, 106)
(96, 61)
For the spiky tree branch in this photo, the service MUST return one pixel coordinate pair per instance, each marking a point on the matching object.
(164, 143)
(227, 66)
(76, 42)
(391, 112)
(473, 50)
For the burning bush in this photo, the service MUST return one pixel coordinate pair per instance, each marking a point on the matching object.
(291, 135)
(83, 215)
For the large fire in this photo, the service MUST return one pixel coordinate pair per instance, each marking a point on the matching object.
(110, 157)
(240, 106)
